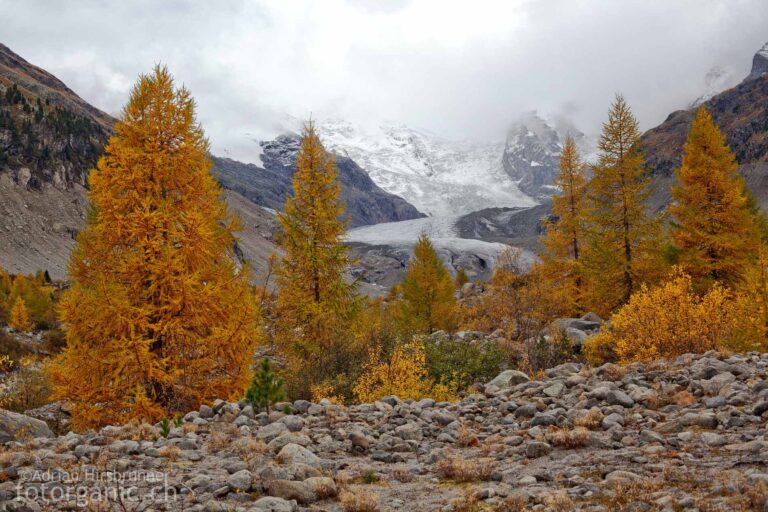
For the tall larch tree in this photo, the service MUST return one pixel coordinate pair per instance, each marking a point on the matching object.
(427, 301)
(622, 246)
(19, 318)
(563, 241)
(713, 228)
(315, 303)
(159, 318)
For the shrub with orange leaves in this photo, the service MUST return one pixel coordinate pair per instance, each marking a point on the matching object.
(405, 375)
(665, 322)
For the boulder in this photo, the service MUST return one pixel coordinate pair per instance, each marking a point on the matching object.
(294, 453)
(17, 427)
(509, 378)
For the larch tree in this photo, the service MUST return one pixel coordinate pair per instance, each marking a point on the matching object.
(713, 229)
(563, 241)
(315, 302)
(427, 301)
(159, 318)
(622, 239)
(19, 317)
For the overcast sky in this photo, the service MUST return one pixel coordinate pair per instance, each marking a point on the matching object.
(462, 69)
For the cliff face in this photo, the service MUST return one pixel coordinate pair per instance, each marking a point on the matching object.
(48, 135)
(49, 140)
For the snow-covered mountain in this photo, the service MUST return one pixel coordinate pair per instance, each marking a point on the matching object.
(440, 177)
(532, 152)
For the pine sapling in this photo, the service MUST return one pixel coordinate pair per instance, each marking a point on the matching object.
(266, 387)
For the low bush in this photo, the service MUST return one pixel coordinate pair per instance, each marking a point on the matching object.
(461, 363)
(665, 322)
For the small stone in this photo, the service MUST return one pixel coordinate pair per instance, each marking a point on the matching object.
(760, 408)
(537, 449)
(294, 453)
(616, 397)
(240, 481)
(206, 412)
(509, 378)
(273, 504)
(555, 390)
(409, 432)
(290, 490)
(622, 476)
(712, 439)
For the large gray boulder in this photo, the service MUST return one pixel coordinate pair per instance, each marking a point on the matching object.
(17, 427)
(509, 378)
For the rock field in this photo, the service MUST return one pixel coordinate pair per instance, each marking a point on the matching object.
(688, 434)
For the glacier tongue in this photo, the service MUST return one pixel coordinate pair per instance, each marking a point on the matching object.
(440, 177)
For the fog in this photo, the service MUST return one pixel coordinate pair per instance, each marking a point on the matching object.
(459, 69)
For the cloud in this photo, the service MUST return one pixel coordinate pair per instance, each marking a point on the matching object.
(461, 69)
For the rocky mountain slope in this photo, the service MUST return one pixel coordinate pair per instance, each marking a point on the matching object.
(741, 113)
(269, 184)
(532, 153)
(49, 140)
(687, 434)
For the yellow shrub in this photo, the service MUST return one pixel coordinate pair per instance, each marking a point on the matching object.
(751, 307)
(665, 322)
(325, 390)
(404, 375)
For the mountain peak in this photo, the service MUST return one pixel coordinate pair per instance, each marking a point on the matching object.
(759, 62)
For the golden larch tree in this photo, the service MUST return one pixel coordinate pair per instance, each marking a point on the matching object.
(713, 229)
(563, 241)
(315, 302)
(19, 317)
(622, 240)
(427, 302)
(158, 317)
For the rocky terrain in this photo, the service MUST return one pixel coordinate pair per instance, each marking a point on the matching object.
(687, 434)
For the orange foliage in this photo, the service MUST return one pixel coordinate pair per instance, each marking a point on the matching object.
(564, 239)
(158, 318)
(713, 230)
(405, 375)
(315, 303)
(19, 318)
(665, 321)
(623, 242)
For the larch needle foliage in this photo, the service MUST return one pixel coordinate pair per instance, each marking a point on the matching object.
(622, 248)
(19, 318)
(159, 319)
(404, 375)
(666, 321)
(315, 303)
(427, 302)
(713, 228)
(564, 239)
